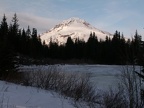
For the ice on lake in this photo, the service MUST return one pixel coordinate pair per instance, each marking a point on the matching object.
(102, 76)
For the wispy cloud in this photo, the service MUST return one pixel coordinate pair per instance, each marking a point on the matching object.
(29, 14)
(42, 24)
(120, 15)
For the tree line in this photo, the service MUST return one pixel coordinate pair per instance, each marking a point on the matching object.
(16, 42)
(112, 50)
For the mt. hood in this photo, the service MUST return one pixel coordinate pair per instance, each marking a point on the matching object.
(74, 28)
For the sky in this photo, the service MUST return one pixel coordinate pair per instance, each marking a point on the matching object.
(126, 16)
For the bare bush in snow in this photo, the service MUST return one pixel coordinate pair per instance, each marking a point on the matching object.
(131, 84)
(74, 85)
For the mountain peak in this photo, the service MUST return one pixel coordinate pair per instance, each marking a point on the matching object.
(71, 22)
(74, 28)
(74, 19)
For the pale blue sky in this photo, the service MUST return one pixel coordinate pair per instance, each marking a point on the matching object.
(110, 15)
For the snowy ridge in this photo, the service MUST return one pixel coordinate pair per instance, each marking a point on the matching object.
(73, 27)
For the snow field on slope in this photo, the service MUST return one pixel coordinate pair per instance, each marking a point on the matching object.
(16, 96)
(73, 27)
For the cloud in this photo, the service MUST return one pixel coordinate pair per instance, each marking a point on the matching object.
(35, 13)
(119, 15)
(42, 24)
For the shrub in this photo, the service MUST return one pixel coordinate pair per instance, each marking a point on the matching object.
(74, 85)
(114, 99)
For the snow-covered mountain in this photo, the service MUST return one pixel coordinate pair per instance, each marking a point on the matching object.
(73, 27)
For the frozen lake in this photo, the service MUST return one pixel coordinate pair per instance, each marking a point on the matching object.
(103, 76)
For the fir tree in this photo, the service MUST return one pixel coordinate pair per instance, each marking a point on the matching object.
(70, 48)
(8, 64)
(3, 29)
(92, 47)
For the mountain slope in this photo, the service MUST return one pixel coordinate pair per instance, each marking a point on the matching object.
(73, 27)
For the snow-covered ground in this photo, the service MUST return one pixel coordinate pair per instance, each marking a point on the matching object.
(16, 96)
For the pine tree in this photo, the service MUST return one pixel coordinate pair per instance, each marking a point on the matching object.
(79, 49)
(15, 23)
(23, 41)
(3, 29)
(136, 48)
(70, 48)
(116, 48)
(8, 65)
(35, 44)
(92, 47)
(14, 37)
(53, 49)
(105, 52)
